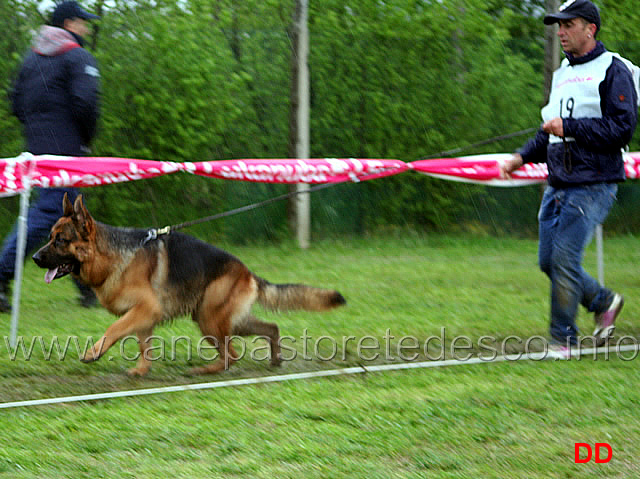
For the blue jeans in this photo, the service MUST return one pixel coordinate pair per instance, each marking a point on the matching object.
(567, 220)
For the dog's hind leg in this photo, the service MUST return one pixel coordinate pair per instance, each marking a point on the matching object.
(227, 301)
(254, 326)
(214, 320)
(217, 331)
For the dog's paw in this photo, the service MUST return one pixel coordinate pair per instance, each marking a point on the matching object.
(214, 368)
(276, 361)
(196, 371)
(137, 372)
(89, 358)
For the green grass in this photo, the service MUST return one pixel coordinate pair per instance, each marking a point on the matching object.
(494, 420)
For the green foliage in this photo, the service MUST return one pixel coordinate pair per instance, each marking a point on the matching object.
(404, 80)
(199, 80)
(18, 18)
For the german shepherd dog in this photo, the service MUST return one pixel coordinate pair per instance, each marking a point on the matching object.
(147, 282)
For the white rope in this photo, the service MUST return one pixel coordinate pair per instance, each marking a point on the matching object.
(317, 374)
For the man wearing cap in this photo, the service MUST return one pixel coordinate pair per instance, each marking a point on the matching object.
(55, 97)
(590, 118)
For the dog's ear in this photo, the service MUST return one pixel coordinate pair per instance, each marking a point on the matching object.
(82, 220)
(67, 207)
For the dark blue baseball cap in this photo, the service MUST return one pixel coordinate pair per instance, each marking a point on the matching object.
(574, 9)
(69, 10)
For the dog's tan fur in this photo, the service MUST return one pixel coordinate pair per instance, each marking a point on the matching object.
(146, 283)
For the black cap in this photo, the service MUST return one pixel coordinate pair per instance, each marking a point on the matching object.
(574, 9)
(70, 10)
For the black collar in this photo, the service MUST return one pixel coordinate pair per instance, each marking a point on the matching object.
(598, 50)
(77, 38)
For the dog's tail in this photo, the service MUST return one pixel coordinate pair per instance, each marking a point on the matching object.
(283, 297)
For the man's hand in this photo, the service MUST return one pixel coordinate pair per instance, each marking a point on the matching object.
(554, 127)
(510, 165)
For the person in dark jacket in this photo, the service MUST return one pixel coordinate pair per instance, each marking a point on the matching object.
(590, 118)
(55, 97)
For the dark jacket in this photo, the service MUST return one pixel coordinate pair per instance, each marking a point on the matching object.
(55, 95)
(595, 156)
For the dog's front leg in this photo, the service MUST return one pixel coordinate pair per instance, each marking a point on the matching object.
(144, 361)
(140, 318)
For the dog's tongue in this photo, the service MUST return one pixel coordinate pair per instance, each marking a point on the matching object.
(50, 275)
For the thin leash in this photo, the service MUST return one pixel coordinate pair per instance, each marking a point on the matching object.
(480, 143)
(154, 233)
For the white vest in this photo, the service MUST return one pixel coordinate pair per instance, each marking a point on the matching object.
(574, 91)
